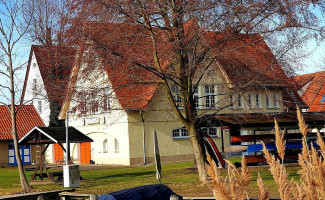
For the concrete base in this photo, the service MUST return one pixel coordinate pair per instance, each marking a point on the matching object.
(71, 176)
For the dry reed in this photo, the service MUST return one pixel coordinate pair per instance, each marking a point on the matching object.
(262, 190)
(232, 187)
(279, 141)
(312, 173)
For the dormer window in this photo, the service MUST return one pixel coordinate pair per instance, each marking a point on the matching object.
(231, 101)
(275, 100)
(239, 101)
(267, 101)
(249, 100)
(257, 101)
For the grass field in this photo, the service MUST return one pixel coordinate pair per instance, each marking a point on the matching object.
(180, 177)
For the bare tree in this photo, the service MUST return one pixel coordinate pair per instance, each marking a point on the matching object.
(11, 33)
(47, 21)
(173, 40)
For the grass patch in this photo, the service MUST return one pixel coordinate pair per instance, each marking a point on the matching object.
(180, 177)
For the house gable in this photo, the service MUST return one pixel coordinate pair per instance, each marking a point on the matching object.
(46, 78)
(34, 91)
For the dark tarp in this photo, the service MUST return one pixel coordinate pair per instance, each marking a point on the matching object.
(51, 135)
(146, 192)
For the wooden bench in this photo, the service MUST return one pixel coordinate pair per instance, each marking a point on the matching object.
(59, 175)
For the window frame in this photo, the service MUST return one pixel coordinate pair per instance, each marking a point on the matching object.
(210, 93)
(207, 130)
(176, 95)
(257, 100)
(180, 132)
(239, 101)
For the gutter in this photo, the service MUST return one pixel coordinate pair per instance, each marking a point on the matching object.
(144, 139)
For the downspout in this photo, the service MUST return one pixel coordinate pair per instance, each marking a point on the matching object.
(144, 139)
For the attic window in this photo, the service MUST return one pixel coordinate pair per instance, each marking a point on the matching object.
(323, 99)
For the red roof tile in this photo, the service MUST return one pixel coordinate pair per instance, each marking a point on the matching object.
(247, 59)
(55, 64)
(27, 118)
(315, 90)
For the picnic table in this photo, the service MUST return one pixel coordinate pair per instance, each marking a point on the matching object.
(56, 174)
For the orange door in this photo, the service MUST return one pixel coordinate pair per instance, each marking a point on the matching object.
(85, 153)
(58, 154)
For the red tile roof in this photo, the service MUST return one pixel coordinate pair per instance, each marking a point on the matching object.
(55, 64)
(315, 90)
(27, 118)
(247, 59)
(133, 87)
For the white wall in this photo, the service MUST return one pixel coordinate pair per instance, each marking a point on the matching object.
(110, 125)
(41, 95)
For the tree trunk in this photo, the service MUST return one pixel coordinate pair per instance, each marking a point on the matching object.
(198, 151)
(24, 184)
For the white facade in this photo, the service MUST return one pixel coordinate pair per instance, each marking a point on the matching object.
(35, 92)
(107, 127)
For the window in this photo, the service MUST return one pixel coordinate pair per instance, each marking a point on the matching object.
(267, 101)
(39, 106)
(231, 101)
(106, 100)
(196, 97)
(275, 100)
(209, 95)
(34, 88)
(105, 146)
(82, 103)
(94, 104)
(34, 65)
(117, 146)
(180, 133)
(323, 99)
(176, 95)
(257, 101)
(249, 101)
(211, 131)
(239, 101)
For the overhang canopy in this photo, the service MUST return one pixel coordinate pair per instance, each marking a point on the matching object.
(51, 135)
(266, 120)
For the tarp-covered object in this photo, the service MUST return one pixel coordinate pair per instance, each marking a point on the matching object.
(271, 146)
(146, 192)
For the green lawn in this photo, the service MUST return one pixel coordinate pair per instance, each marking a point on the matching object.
(180, 177)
